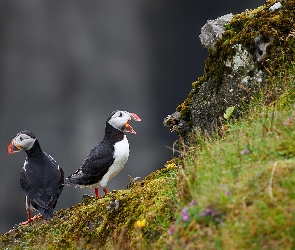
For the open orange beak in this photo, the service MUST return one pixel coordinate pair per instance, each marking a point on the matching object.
(128, 127)
(13, 148)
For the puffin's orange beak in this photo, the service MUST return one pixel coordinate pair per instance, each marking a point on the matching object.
(11, 149)
(129, 129)
(135, 117)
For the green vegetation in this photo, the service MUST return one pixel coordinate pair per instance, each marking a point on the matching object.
(233, 190)
(239, 185)
(107, 222)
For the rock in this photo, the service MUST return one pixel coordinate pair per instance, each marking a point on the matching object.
(261, 46)
(175, 123)
(276, 6)
(213, 30)
(242, 56)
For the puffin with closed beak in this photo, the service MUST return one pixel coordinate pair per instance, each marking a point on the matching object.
(41, 177)
(108, 157)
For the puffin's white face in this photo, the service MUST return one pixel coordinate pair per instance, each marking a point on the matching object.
(119, 120)
(21, 142)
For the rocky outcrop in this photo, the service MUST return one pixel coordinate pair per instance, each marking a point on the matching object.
(253, 46)
(213, 29)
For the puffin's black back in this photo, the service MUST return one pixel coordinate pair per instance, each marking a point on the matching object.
(42, 180)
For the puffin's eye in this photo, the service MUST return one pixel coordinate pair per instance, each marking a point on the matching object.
(120, 114)
(21, 138)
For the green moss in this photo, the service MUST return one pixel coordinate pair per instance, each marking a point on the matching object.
(184, 108)
(89, 225)
(276, 27)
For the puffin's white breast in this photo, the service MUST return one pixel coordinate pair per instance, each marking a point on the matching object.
(121, 154)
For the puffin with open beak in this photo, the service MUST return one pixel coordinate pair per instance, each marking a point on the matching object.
(41, 177)
(108, 157)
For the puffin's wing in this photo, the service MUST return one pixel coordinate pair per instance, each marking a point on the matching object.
(99, 160)
(23, 180)
(55, 178)
(94, 166)
(31, 189)
(43, 187)
(53, 181)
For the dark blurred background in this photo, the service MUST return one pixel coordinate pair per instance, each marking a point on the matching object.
(66, 65)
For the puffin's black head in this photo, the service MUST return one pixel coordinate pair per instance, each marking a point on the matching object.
(23, 141)
(119, 120)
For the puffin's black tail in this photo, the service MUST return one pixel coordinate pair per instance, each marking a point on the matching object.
(82, 180)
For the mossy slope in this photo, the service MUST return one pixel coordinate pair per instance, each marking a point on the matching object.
(90, 225)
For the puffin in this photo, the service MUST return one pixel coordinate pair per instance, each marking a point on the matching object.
(108, 157)
(41, 178)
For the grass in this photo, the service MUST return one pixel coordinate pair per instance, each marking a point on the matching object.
(239, 186)
(235, 190)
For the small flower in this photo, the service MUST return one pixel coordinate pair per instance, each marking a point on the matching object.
(227, 193)
(140, 223)
(217, 219)
(171, 230)
(184, 214)
(209, 211)
(193, 202)
(202, 214)
(245, 151)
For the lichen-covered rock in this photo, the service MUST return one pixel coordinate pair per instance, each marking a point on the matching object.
(213, 30)
(253, 47)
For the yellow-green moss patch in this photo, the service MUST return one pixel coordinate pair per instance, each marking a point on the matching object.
(90, 225)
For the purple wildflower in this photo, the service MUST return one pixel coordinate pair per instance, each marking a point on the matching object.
(202, 214)
(245, 151)
(227, 193)
(184, 214)
(193, 202)
(217, 219)
(171, 230)
(209, 211)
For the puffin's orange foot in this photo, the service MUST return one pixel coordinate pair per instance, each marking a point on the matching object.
(105, 190)
(37, 216)
(27, 222)
(96, 192)
(31, 219)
